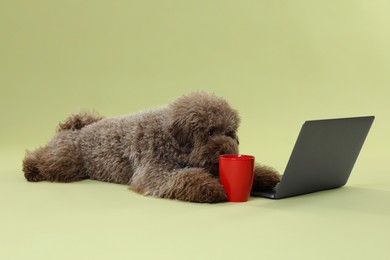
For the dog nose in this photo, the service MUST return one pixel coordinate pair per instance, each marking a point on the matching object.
(230, 150)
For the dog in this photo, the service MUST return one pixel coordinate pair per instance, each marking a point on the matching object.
(168, 152)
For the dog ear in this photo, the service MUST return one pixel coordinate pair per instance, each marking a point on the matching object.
(180, 129)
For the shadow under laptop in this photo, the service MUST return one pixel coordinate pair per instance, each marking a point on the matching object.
(362, 200)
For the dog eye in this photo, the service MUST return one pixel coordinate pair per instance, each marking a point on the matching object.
(231, 134)
(210, 133)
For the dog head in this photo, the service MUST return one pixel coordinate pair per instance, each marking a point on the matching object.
(203, 126)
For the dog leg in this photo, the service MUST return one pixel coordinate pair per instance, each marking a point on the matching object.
(265, 178)
(60, 161)
(189, 184)
(31, 165)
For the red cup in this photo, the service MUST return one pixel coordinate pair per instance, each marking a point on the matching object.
(236, 173)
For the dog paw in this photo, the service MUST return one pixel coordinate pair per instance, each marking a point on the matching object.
(211, 192)
(265, 178)
(196, 185)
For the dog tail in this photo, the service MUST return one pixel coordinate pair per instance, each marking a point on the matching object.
(78, 121)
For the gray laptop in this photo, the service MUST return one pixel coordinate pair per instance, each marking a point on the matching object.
(323, 156)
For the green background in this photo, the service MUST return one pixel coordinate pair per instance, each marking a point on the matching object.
(278, 62)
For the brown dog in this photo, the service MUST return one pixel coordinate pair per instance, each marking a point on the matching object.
(169, 152)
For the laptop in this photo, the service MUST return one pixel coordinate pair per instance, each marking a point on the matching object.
(323, 156)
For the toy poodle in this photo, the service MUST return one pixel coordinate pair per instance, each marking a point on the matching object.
(168, 152)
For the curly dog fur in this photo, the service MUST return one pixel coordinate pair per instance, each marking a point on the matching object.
(169, 152)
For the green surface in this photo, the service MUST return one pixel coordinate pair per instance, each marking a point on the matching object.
(278, 62)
